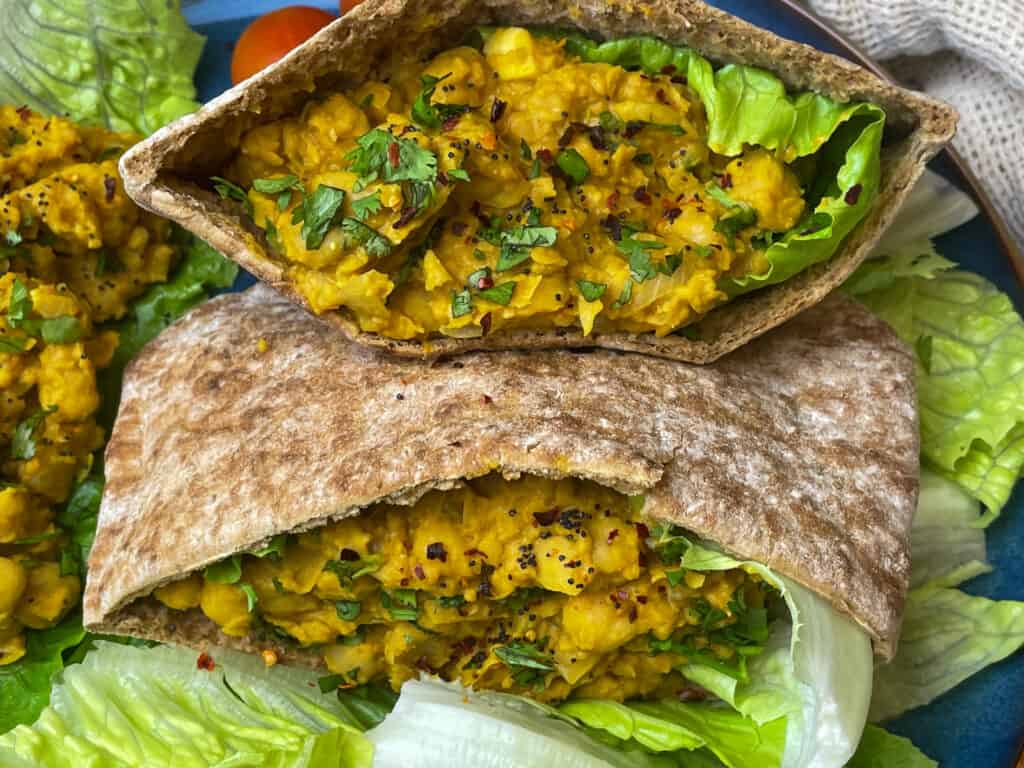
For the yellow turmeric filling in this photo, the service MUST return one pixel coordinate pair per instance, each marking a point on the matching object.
(73, 251)
(532, 585)
(563, 194)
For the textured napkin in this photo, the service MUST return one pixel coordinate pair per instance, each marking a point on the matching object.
(969, 53)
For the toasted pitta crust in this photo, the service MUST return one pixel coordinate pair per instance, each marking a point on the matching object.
(799, 451)
(160, 172)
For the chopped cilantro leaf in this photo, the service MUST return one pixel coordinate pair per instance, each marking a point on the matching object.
(591, 291)
(428, 114)
(374, 242)
(640, 267)
(20, 303)
(63, 329)
(451, 601)
(276, 185)
(273, 548)
(644, 158)
(23, 444)
(12, 345)
(348, 610)
(251, 598)
(366, 102)
(401, 604)
(525, 655)
(227, 571)
(348, 571)
(321, 211)
(499, 294)
(479, 255)
(12, 237)
(739, 215)
(625, 296)
(228, 190)
(573, 165)
(525, 153)
(462, 303)
(534, 169)
(366, 206)
(516, 244)
(458, 173)
(704, 251)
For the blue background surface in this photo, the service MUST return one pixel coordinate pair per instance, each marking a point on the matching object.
(981, 723)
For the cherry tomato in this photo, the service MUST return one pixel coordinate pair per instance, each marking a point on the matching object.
(272, 35)
(344, 6)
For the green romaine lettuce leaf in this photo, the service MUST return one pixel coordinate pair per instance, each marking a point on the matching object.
(123, 64)
(124, 707)
(669, 726)
(25, 685)
(947, 636)
(946, 544)
(747, 106)
(825, 703)
(881, 749)
(970, 344)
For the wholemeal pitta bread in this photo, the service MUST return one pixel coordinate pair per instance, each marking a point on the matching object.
(161, 173)
(799, 451)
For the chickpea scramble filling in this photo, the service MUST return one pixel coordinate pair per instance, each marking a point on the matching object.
(74, 251)
(521, 187)
(553, 588)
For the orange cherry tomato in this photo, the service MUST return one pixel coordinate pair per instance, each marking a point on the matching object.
(344, 6)
(272, 35)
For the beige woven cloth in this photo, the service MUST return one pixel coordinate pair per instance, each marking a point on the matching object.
(967, 52)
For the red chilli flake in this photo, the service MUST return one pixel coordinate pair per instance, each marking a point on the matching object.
(632, 614)
(475, 551)
(668, 69)
(109, 187)
(418, 570)
(408, 214)
(393, 156)
(852, 194)
(450, 123)
(205, 661)
(673, 213)
(641, 195)
(642, 531)
(612, 535)
(660, 93)
(442, 178)
(24, 112)
(485, 282)
(545, 156)
(485, 323)
(613, 200)
(348, 555)
(725, 181)
(642, 599)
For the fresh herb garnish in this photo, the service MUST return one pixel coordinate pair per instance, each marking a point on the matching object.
(534, 169)
(428, 114)
(591, 291)
(363, 207)
(640, 266)
(462, 303)
(739, 215)
(319, 212)
(23, 444)
(348, 610)
(13, 345)
(348, 571)
(572, 165)
(417, 253)
(227, 571)
(526, 655)
(643, 158)
(281, 186)
(379, 155)
(228, 190)
(523, 597)
(625, 296)
(374, 242)
(63, 329)
(525, 153)
(273, 548)
(451, 601)
(251, 598)
(499, 294)
(401, 604)
(517, 243)
(609, 122)
(460, 174)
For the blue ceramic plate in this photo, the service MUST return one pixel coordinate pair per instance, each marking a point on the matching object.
(981, 723)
